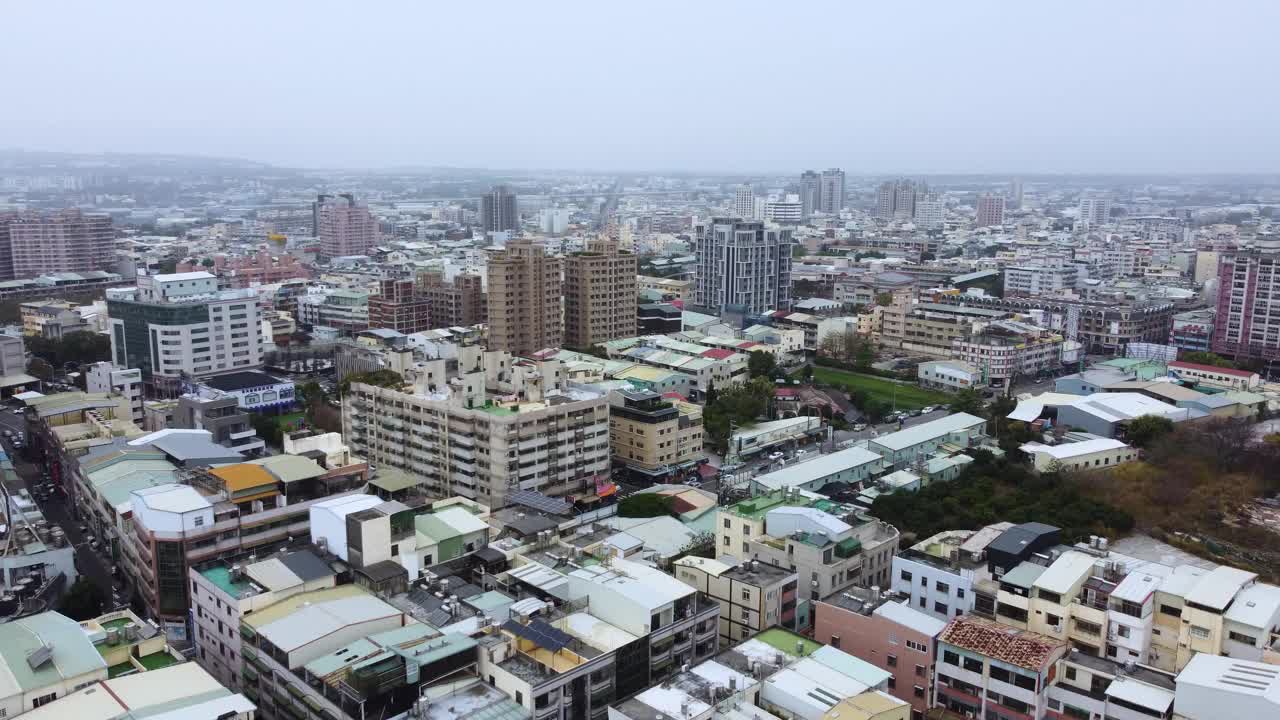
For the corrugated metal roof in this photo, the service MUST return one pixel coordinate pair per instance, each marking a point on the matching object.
(290, 468)
(243, 476)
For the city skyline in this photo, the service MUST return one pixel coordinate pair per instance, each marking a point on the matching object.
(973, 88)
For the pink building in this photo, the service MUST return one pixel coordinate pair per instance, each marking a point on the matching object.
(248, 271)
(893, 636)
(61, 241)
(344, 227)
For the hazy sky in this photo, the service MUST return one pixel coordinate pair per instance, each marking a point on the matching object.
(932, 86)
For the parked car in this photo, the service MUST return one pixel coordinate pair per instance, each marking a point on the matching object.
(859, 427)
(775, 456)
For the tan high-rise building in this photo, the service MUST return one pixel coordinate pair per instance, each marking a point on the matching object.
(57, 241)
(524, 299)
(599, 295)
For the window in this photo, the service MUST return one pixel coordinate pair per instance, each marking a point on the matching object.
(1052, 597)
(999, 673)
(746, 614)
(942, 587)
(960, 593)
(198, 520)
(971, 665)
(728, 523)
(1199, 632)
(891, 660)
(918, 647)
(1122, 630)
(941, 608)
(1170, 610)
(919, 671)
(726, 540)
(918, 691)
(44, 700)
(893, 682)
(1024, 682)
(835, 641)
(950, 658)
(1242, 638)
(746, 594)
(924, 581)
(921, 601)
(905, 575)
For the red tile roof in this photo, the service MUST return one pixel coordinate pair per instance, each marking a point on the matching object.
(1211, 368)
(1001, 642)
(673, 395)
(718, 353)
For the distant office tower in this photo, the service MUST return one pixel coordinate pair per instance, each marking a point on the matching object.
(599, 295)
(897, 199)
(789, 211)
(60, 241)
(524, 299)
(904, 200)
(744, 202)
(831, 191)
(345, 227)
(320, 200)
(1248, 318)
(499, 211)
(553, 221)
(1095, 211)
(990, 210)
(742, 265)
(810, 193)
(1015, 193)
(398, 306)
(931, 212)
(454, 303)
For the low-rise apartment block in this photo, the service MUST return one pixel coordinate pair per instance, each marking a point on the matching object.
(831, 547)
(985, 667)
(753, 596)
(483, 426)
(652, 436)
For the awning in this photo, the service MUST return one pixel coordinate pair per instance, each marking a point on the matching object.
(18, 379)
(607, 490)
(28, 395)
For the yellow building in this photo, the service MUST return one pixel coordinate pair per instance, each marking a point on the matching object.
(653, 436)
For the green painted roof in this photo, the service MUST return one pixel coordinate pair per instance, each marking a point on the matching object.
(393, 480)
(73, 655)
(785, 640)
(221, 577)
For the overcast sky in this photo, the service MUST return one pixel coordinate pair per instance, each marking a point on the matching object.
(873, 87)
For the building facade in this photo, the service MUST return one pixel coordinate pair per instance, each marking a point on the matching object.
(459, 302)
(831, 191)
(654, 437)
(176, 325)
(1248, 316)
(344, 227)
(753, 596)
(990, 211)
(399, 307)
(742, 265)
(525, 299)
(499, 211)
(600, 297)
(57, 242)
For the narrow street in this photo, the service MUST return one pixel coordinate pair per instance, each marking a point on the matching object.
(92, 565)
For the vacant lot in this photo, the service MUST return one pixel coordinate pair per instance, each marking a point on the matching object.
(908, 396)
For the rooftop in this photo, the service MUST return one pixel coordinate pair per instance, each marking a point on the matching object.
(931, 430)
(1075, 449)
(39, 651)
(242, 380)
(1017, 647)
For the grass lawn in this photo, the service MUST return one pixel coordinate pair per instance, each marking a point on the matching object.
(908, 396)
(289, 421)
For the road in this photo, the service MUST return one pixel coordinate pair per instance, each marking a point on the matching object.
(92, 565)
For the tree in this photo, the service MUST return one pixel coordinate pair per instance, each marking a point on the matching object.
(268, 428)
(969, 401)
(884, 299)
(761, 363)
(646, 505)
(378, 378)
(1206, 358)
(83, 601)
(207, 262)
(1147, 429)
(711, 396)
(81, 347)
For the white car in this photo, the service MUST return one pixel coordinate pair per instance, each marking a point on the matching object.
(775, 455)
